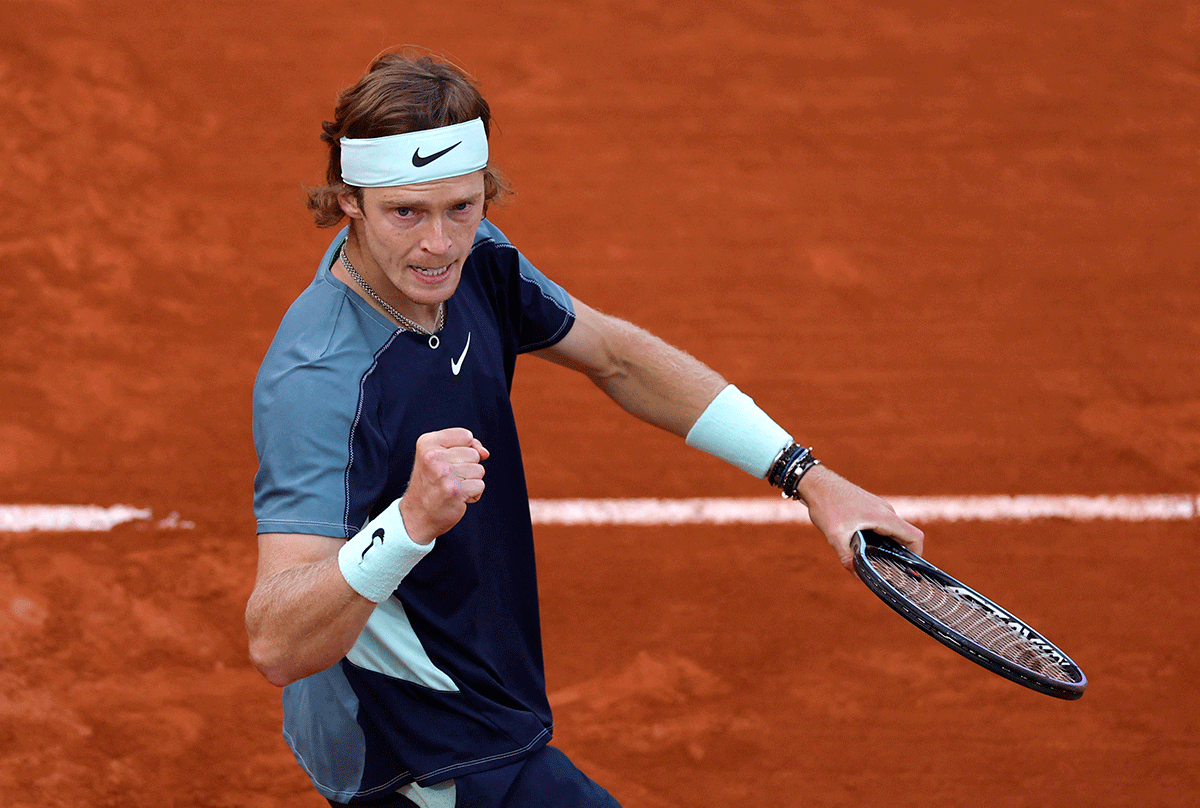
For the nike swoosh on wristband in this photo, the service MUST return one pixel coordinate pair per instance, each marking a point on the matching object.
(456, 364)
(421, 162)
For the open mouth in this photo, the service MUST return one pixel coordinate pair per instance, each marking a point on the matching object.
(432, 273)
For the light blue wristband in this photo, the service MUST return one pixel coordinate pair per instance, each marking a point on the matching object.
(376, 560)
(734, 429)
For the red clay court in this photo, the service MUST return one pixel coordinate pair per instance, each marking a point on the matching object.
(953, 245)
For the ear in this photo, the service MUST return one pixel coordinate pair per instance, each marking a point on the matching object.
(349, 205)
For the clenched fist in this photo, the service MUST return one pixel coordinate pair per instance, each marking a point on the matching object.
(447, 475)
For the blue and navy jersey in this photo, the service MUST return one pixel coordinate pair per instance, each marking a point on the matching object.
(447, 677)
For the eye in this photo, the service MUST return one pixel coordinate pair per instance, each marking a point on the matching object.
(467, 207)
(404, 212)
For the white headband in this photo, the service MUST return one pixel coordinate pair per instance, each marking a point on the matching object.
(412, 157)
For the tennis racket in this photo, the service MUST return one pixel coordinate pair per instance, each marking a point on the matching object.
(962, 619)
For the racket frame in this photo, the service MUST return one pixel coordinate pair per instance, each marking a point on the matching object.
(1014, 671)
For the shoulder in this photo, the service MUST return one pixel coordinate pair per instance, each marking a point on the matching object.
(493, 251)
(512, 263)
(323, 347)
(489, 236)
(327, 316)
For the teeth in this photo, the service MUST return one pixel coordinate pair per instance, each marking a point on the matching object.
(430, 273)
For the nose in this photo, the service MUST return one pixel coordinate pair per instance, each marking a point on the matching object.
(435, 240)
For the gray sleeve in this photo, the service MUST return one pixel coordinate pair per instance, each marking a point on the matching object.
(306, 400)
(302, 439)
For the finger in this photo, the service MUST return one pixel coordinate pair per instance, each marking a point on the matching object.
(911, 536)
(471, 490)
(451, 437)
(469, 471)
(460, 455)
(841, 546)
(917, 545)
(846, 557)
(458, 437)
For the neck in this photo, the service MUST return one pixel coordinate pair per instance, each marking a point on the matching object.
(374, 286)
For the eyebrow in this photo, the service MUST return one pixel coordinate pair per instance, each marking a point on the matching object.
(403, 202)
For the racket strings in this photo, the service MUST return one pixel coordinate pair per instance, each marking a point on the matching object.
(968, 619)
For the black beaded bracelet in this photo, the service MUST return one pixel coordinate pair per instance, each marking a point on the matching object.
(789, 468)
(782, 460)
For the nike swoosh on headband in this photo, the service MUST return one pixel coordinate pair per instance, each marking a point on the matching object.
(421, 162)
(415, 157)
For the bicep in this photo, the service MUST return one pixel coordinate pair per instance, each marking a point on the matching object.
(588, 345)
(649, 378)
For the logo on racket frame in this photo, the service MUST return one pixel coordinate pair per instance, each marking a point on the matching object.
(1052, 654)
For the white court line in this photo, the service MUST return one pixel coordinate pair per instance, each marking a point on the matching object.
(698, 511)
(66, 518)
(769, 510)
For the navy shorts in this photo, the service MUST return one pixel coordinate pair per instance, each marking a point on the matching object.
(545, 779)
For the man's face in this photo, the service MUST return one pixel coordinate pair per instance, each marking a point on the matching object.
(418, 236)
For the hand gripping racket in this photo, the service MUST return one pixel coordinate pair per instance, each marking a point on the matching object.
(962, 619)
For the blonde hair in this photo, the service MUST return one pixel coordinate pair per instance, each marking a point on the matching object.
(399, 94)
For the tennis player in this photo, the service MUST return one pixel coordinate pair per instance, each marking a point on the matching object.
(396, 597)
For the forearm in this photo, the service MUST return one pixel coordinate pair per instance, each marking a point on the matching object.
(303, 619)
(314, 594)
(671, 405)
(734, 429)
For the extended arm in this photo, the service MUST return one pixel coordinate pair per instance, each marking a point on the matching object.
(668, 388)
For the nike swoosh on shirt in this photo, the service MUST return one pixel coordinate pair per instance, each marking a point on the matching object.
(456, 364)
(421, 162)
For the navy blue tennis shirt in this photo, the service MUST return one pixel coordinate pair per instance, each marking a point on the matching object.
(447, 677)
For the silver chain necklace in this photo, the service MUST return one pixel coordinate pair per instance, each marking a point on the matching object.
(406, 323)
